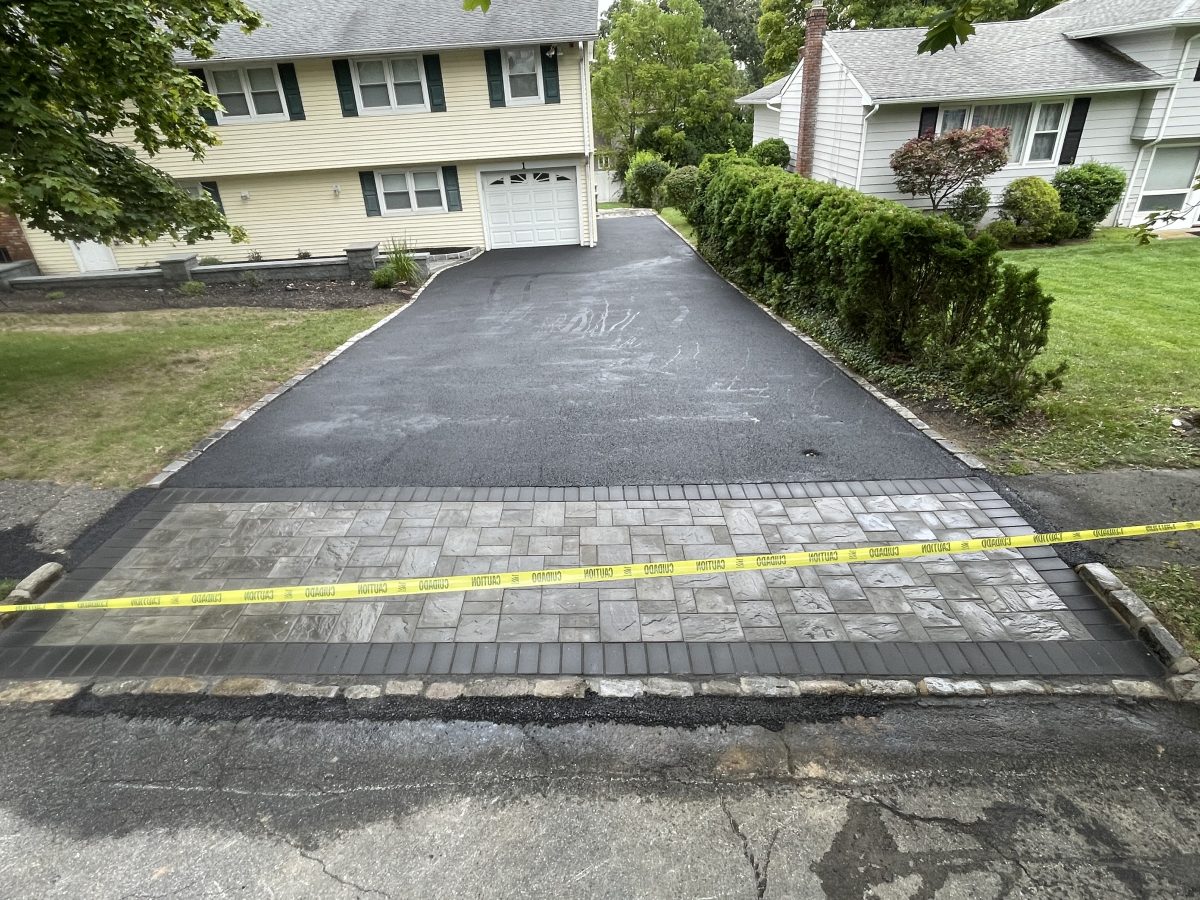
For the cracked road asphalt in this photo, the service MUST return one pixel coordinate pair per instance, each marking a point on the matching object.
(628, 363)
(1084, 798)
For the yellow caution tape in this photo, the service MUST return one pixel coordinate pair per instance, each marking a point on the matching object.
(401, 587)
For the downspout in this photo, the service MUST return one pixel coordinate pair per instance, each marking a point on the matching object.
(585, 85)
(1162, 129)
(862, 148)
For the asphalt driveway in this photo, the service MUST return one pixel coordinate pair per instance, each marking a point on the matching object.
(629, 363)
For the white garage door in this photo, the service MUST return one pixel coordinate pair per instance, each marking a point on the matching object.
(532, 208)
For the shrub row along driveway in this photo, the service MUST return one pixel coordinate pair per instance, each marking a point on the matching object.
(630, 363)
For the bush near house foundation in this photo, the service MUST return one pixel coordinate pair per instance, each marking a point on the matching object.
(1089, 192)
(908, 292)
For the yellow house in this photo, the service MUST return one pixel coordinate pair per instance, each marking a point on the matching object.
(346, 122)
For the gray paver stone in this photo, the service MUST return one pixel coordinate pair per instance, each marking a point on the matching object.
(1016, 686)
(559, 688)
(118, 687)
(768, 686)
(877, 687)
(1145, 690)
(824, 686)
(245, 687)
(721, 687)
(403, 688)
(445, 690)
(170, 685)
(950, 687)
(362, 692)
(497, 687)
(39, 691)
(668, 687)
(617, 687)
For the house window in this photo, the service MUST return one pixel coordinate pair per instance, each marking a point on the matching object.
(522, 75)
(390, 85)
(250, 94)
(1046, 130)
(411, 191)
(1169, 181)
(1035, 129)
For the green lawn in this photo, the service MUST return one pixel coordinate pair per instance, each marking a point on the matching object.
(677, 221)
(109, 398)
(1127, 320)
(1174, 594)
(614, 204)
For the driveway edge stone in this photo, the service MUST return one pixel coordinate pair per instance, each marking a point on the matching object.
(1184, 688)
(234, 423)
(967, 459)
(1133, 611)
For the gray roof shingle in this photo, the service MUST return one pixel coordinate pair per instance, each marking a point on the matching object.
(296, 28)
(1093, 15)
(1002, 59)
(766, 93)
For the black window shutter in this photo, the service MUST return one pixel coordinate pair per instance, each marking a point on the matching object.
(291, 91)
(433, 79)
(345, 88)
(929, 117)
(1070, 148)
(550, 73)
(210, 188)
(450, 180)
(495, 76)
(370, 194)
(209, 116)
(1197, 73)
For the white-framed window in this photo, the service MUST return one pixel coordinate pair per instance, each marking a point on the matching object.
(522, 75)
(251, 94)
(404, 192)
(394, 84)
(1170, 179)
(1036, 129)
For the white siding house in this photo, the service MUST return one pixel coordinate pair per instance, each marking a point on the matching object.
(1117, 81)
(360, 122)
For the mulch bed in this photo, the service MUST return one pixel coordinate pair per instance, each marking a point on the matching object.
(268, 294)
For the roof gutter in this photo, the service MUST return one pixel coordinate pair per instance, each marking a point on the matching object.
(1162, 128)
(375, 51)
(1133, 28)
(943, 99)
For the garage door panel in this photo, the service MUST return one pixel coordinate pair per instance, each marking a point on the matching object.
(534, 207)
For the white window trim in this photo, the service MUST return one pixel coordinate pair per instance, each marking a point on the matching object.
(1190, 192)
(224, 118)
(509, 100)
(394, 108)
(412, 192)
(1022, 161)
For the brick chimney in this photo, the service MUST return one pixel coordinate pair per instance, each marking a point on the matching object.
(815, 26)
(12, 238)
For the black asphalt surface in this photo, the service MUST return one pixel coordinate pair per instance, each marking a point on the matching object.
(629, 363)
(835, 798)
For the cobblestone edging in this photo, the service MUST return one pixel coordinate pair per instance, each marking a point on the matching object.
(968, 459)
(1180, 688)
(177, 464)
(1133, 611)
(35, 583)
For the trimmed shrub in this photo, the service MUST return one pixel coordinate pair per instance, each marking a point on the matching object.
(211, 261)
(913, 290)
(1089, 191)
(192, 288)
(384, 277)
(771, 152)
(679, 188)
(969, 206)
(646, 172)
(1003, 232)
(1063, 227)
(1031, 204)
(998, 369)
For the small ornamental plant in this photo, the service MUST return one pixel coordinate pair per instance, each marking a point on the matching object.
(938, 166)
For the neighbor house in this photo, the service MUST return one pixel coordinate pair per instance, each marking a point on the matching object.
(347, 122)
(1117, 81)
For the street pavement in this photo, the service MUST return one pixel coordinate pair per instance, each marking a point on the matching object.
(628, 363)
(769, 799)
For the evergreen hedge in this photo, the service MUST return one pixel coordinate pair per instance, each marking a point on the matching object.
(914, 289)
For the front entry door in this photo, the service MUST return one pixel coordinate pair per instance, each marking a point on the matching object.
(94, 257)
